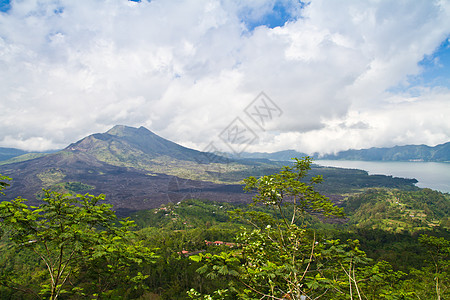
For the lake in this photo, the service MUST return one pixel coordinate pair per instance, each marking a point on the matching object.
(433, 175)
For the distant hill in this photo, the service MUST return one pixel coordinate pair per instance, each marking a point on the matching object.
(7, 153)
(285, 155)
(439, 153)
(24, 157)
(12, 155)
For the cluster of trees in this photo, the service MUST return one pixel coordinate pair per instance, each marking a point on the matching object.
(67, 247)
(74, 247)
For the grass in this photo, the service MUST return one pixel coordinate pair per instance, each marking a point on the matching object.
(51, 177)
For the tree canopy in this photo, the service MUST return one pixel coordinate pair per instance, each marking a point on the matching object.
(75, 238)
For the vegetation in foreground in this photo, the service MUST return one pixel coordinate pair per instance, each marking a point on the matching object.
(75, 247)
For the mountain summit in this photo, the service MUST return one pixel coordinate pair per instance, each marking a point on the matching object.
(123, 144)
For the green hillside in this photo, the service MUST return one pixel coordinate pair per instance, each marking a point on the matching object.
(399, 211)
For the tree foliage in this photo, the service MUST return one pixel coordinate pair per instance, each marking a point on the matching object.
(289, 189)
(74, 238)
(3, 183)
(279, 258)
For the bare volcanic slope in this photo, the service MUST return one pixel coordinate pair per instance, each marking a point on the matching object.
(133, 167)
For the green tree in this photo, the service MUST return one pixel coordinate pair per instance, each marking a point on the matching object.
(82, 245)
(289, 189)
(279, 258)
(3, 183)
(438, 250)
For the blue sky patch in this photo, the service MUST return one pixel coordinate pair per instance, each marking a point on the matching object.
(436, 67)
(5, 5)
(435, 71)
(281, 12)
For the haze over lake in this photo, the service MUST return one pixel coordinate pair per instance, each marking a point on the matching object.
(433, 175)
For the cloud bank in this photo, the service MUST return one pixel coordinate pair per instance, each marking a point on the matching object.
(186, 69)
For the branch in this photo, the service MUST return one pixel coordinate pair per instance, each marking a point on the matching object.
(61, 271)
(321, 294)
(295, 210)
(356, 284)
(49, 267)
(24, 290)
(310, 257)
(299, 289)
(258, 292)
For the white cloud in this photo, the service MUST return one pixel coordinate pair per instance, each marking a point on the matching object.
(186, 69)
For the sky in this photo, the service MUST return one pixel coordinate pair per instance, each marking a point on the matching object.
(264, 75)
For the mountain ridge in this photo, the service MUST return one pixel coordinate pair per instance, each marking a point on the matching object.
(438, 153)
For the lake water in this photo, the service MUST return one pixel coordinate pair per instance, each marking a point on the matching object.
(433, 175)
